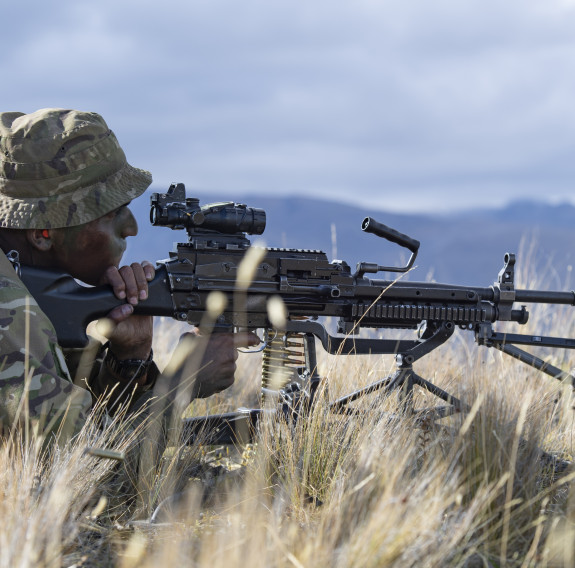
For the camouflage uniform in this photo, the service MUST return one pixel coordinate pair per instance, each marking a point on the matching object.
(58, 168)
(32, 362)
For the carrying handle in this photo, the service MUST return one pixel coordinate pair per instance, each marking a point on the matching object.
(370, 225)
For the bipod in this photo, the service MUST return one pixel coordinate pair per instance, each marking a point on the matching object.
(405, 378)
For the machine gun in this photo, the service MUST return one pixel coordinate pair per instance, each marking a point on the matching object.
(312, 289)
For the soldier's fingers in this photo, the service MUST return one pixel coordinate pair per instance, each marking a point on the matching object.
(149, 270)
(132, 291)
(118, 314)
(141, 280)
(246, 339)
(224, 369)
(113, 277)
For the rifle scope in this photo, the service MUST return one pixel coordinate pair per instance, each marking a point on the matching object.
(174, 210)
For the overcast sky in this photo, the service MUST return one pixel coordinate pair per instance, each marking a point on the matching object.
(410, 105)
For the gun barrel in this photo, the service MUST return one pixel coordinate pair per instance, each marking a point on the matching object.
(545, 297)
(489, 294)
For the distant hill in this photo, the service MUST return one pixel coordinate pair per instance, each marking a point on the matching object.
(464, 247)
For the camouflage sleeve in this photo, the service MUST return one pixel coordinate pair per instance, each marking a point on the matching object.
(34, 381)
(88, 369)
(36, 387)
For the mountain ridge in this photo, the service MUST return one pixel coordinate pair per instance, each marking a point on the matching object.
(464, 247)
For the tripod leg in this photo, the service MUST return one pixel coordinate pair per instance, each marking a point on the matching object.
(390, 383)
(440, 393)
(402, 381)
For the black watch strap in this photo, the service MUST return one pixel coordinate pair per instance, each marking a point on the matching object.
(128, 369)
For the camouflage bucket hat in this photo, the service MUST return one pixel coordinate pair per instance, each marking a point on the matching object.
(61, 168)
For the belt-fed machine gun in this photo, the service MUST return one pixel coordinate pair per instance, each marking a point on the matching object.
(311, 289)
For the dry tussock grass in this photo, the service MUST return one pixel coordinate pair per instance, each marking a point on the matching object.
(376, 489)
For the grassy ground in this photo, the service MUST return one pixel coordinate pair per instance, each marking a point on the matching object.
(377, 489)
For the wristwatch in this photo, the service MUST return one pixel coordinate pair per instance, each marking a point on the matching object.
(128, 369)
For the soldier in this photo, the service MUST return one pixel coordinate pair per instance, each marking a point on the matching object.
(65, 187)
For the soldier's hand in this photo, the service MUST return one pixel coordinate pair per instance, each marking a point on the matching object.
(130, 283)
(207, 364)
(130, 336)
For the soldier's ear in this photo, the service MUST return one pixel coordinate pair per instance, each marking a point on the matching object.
(40, 239)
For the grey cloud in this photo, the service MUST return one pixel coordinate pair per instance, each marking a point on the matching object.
(402, 103)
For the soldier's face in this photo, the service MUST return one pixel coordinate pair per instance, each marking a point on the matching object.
(88, 250)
